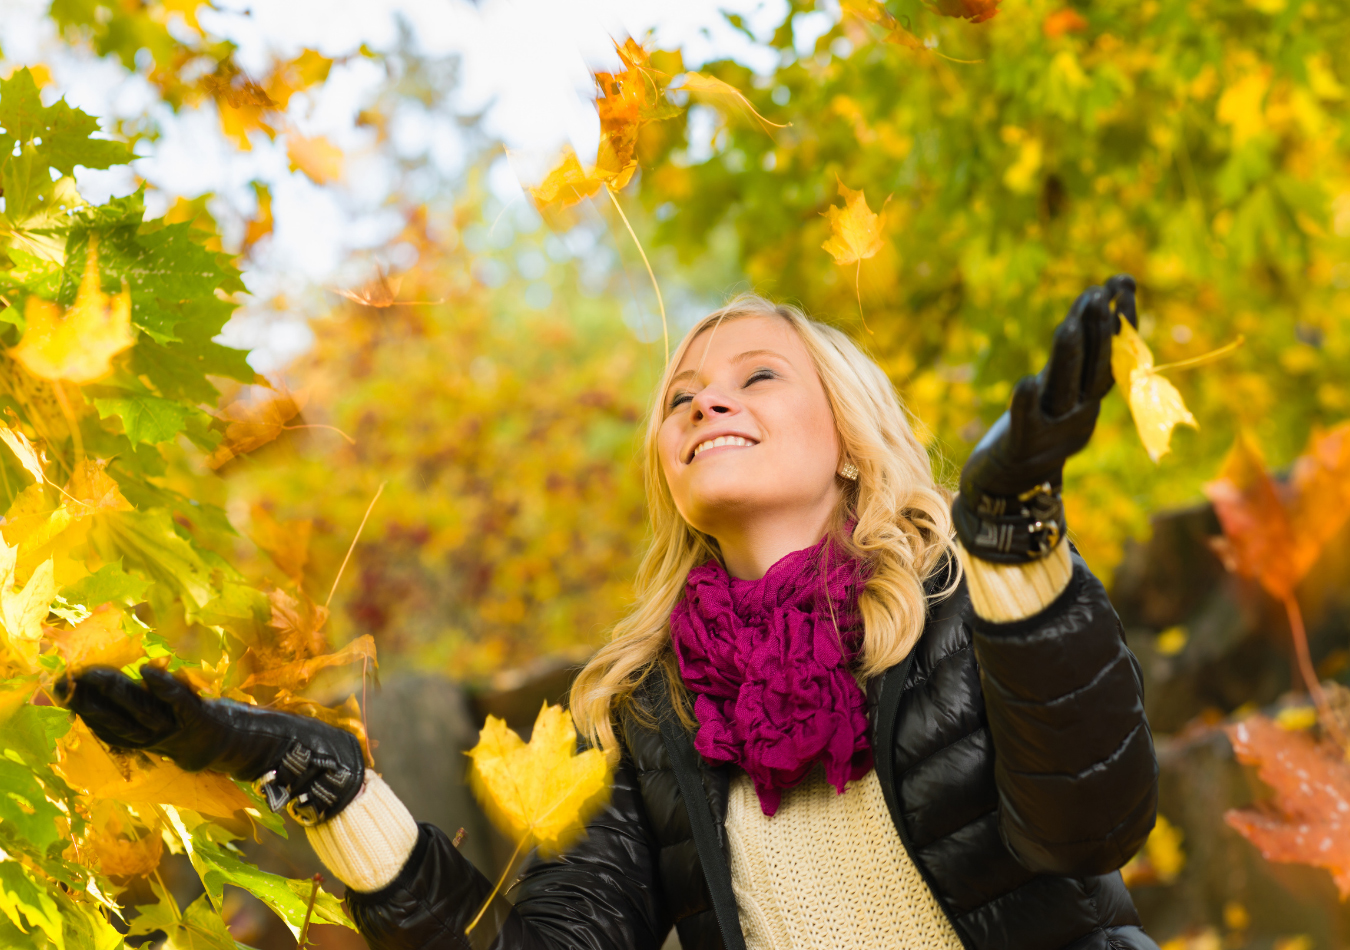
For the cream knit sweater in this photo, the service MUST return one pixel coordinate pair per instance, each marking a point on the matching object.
(827, 871)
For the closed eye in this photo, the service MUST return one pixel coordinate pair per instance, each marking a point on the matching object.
(679, 399)
(761, 373)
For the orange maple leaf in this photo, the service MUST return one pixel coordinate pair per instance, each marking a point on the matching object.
(296, 675)
(1064, 21)
(252, 424)
(98, 640)
(1276, 533)
(138, 779)
(976, 11)
(1308, 820)
(382, 291)
(286, 543)
(298, 622)
(118, 856)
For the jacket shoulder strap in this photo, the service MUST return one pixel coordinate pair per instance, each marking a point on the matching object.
(716, 871)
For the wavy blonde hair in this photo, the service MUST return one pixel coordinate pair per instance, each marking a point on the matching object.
(903, 531)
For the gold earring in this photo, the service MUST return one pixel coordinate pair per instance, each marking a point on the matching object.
(849, 471)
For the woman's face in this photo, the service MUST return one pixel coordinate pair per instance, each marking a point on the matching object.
(748, 433)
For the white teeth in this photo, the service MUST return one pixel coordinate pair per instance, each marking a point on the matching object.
(722, 440)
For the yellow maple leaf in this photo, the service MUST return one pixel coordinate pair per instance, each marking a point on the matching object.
(78, 345)
(855, 235)
(138, 779)
(98, 640)
(24, 451)
(855, 230)
(1156, 405)
(317, 157)
(23, 608)
(567, 184)
(715, 90)
(542, 792)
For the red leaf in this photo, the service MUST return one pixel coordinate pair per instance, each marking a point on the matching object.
(1308, 820)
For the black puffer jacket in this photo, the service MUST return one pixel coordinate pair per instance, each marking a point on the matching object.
(1018, 767)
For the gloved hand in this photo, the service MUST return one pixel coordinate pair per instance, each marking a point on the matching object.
(1009, 508)
(315, 767)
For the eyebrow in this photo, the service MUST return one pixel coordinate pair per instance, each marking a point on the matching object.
(741, 358)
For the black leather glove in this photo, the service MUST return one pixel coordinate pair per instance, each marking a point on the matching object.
(1009, 508)
(315, 768)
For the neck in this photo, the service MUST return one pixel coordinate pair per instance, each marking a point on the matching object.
(749, 549)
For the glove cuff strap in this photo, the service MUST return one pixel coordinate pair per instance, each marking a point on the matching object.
(1010, 529)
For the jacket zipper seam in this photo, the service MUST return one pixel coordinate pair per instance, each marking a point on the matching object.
(886, 730)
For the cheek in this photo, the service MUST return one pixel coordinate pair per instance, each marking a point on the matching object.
(668, 442)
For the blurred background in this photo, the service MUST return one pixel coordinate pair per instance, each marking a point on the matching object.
(419, 320)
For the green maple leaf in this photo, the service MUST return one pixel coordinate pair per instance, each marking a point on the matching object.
(145, 418)
(109, 584)
(27, 904)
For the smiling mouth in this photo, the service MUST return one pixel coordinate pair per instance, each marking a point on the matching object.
(719, 442)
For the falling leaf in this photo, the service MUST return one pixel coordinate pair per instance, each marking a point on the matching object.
(855, 230)
(976, 11)
(877, 14)
(1156, 405)
(99, 640)
(78, 345)
(138, 779)
(541, 793)
(567, 184)
(253, 424)
(286, 543)
(298, 623)
(260, 225)
(715, 90)
(382, 291)
(855, 235)
(1273, 534)
(1067, 20)
(24, 451)
(1308, 819)
(317, 157)
(295, 676)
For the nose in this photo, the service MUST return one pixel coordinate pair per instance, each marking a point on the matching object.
(710, 402)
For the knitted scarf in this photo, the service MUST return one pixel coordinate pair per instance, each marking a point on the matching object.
(769, 663)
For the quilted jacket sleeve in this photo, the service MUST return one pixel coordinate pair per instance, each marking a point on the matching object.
(1074, 763)
(600, 895)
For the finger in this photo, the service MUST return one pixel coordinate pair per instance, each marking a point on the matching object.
(117, 709)
(1061, 380)
(1098, 322)
(1021, 411)
(170, 690)
(1121, 289)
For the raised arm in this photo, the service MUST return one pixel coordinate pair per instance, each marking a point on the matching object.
(1074, 761)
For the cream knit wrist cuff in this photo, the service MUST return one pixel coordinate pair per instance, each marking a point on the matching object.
(367, 843)
(1006, 592)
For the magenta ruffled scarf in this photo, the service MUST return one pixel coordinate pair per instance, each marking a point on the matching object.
(769, 664)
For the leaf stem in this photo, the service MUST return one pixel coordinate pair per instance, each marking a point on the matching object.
(303, 940)
(361, 527)
(173, 901)
(506, 872)
(665, 329)
(1203, 358)
(857, 289)
(1299, 635)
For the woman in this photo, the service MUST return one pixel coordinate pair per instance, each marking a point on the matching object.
(833, 724)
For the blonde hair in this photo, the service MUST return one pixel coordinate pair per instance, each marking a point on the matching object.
(903, 531)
